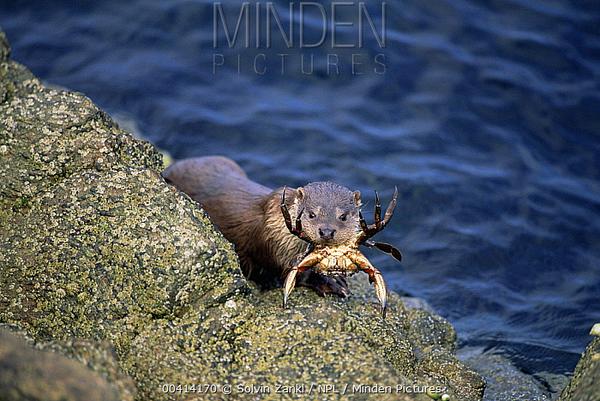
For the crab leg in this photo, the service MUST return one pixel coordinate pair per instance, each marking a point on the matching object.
(297, 229)
(384, 247)
(389, 212)
(377, 211)
(290, 280)
(370, 230)
(363, 224)
(375, 277)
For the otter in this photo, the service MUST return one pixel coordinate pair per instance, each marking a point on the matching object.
(249, 215)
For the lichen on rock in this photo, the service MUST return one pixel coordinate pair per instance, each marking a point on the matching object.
(34, 374)
(585, 383)
(96, 248)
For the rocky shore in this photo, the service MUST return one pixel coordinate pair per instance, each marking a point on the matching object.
(126, 290)
(585, 384)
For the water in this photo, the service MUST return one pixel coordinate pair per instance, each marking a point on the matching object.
(487, 119)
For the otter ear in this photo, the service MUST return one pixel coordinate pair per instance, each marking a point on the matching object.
(357, 201)
(300, 193)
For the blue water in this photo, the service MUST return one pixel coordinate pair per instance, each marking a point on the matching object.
(487, 119)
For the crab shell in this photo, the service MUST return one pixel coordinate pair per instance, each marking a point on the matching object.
(342, 259)
(336, 260)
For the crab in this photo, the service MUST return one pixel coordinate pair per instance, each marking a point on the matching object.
(345, 259)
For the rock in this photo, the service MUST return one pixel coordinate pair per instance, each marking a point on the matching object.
(505, 382)
(438, 365)
(41, 375)
(416, 303)
(4, 48)
(98, 254)
(585, 384)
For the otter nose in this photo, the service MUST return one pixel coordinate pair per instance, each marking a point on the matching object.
(326, 233)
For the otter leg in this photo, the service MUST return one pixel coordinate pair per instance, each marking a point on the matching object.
(375, 277)
(324, 285)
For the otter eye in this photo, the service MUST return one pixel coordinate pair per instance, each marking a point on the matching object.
(311, 215)
(344, 216)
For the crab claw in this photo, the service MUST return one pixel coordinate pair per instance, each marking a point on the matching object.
(290, 280)
(380, 290)
(375, 277)
(289, 284)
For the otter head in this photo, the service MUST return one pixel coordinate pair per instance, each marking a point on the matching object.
(330, 212)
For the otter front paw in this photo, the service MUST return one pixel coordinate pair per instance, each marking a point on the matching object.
(324, 285)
